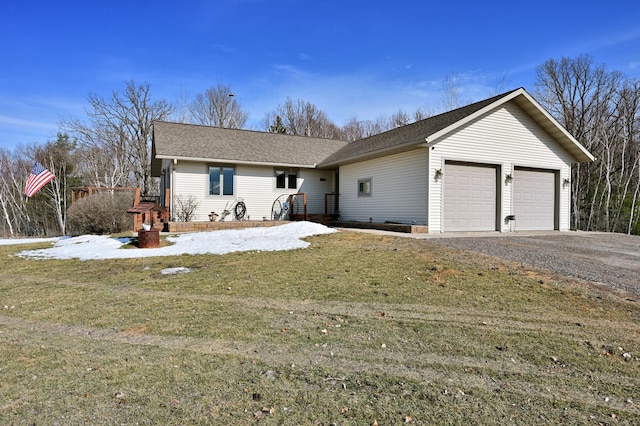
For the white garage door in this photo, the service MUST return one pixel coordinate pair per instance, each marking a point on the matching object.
(534, 199)
(469, 197)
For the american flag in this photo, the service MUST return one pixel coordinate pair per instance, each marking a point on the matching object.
(38, 178)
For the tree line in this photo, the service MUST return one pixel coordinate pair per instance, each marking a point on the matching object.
(601, 109)
(111, 146)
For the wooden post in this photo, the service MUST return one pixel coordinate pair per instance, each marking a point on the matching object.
(304, 201)
(167, 203)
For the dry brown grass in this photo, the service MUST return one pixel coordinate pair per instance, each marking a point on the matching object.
(354, 329)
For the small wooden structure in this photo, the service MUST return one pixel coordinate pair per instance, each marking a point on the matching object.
(149, 213)
(149, 219)
(86, 191)
(297, 206)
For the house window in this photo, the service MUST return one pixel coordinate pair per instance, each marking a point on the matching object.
(364, 187)
(286, 179)
(221, 180)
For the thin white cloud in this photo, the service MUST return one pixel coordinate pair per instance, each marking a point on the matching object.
(292, 72)
(224, 48)
(612, 39)
(25, 120)
(21, 123)
(363, 95)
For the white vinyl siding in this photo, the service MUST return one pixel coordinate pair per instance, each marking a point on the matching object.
(399, 189)
(255, 185)
(315, 183)
(506, 137)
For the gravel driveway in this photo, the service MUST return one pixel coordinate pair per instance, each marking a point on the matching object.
(612, 259)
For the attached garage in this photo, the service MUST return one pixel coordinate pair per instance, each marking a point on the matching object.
(534, 199)
(470, 197)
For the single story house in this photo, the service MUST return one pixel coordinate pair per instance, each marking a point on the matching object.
(501, 164)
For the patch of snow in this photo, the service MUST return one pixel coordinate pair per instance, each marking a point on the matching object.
(173, 271)
(276, 238)
(12, 241)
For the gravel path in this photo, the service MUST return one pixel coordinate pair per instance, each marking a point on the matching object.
(612, 259)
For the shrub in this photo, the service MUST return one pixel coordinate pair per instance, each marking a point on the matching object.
(185, 208)
(101, 213)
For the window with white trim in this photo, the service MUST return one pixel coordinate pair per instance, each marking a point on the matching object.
(221, 180)
(286, 179)
(364, 187)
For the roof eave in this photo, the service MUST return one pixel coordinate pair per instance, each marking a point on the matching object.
(229, 161)
(407, 146)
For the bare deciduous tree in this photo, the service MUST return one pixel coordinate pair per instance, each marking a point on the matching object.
(12, 201)
(59, 158)
(451, 92)
(303, 118)
(218, 107)
(601, 109)
(117, 136)
(356, 129)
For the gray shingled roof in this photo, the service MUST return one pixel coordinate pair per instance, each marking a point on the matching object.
(189, 141)
(409, 135)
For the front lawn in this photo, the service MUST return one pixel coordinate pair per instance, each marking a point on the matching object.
(356, 329)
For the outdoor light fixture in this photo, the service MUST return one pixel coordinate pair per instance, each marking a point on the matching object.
(508, 178)
(438, 173)
(566, 182)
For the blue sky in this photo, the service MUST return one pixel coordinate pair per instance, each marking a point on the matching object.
(349, 57)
